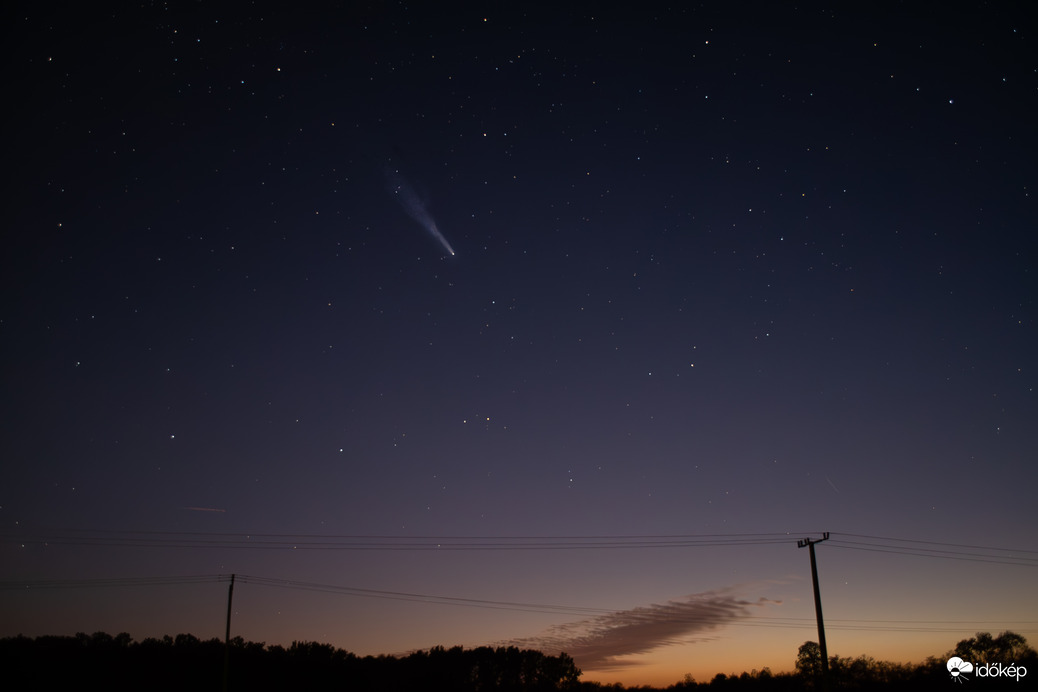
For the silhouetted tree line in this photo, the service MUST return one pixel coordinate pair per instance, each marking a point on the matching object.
(866, 673)
(186, 662)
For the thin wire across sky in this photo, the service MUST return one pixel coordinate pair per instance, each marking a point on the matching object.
(858, 624)
(199, 540)
(339, 542)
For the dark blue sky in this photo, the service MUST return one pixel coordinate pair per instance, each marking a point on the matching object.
(718, 271)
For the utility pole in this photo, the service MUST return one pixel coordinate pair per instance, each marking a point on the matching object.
(227, 637)
(818, 606)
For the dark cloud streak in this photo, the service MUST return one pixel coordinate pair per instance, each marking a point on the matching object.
(598, 643)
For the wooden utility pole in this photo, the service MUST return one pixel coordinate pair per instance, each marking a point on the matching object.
(227, 638)
(807, 542)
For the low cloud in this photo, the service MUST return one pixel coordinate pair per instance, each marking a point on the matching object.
(599, 642)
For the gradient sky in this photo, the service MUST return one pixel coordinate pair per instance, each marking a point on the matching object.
(741, 271)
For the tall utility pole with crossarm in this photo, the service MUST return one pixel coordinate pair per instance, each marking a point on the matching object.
(227, 638)
(808, 543)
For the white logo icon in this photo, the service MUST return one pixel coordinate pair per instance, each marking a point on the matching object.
(956, 666)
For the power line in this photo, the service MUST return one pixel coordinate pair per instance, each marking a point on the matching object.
(46, 584)
(348, 542)
(953, 545)
(779, 622)
(855, 624)
(1022, 562)
(145, 539)
(943, 550)
(424, 598)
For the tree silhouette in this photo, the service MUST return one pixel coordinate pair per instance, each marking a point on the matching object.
(1008, 647)
(809, 660)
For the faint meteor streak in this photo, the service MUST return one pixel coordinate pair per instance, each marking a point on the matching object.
(204, 509)
(413, 206)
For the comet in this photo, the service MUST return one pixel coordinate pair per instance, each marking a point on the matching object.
(414, 207)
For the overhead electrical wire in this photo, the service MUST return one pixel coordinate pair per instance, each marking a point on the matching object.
(340, 542)
(936, 549)
(857, 624)
(256, 541)
(279, 541)
(47, 584)
(587, 612)
(422, 598)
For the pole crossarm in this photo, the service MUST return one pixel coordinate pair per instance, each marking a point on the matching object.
(807, 541)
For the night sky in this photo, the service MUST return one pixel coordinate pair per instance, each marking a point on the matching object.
(508, 325)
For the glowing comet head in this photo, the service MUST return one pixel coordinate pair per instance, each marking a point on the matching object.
(439, 236)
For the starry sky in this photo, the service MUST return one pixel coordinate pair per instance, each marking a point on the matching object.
(492, 324)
